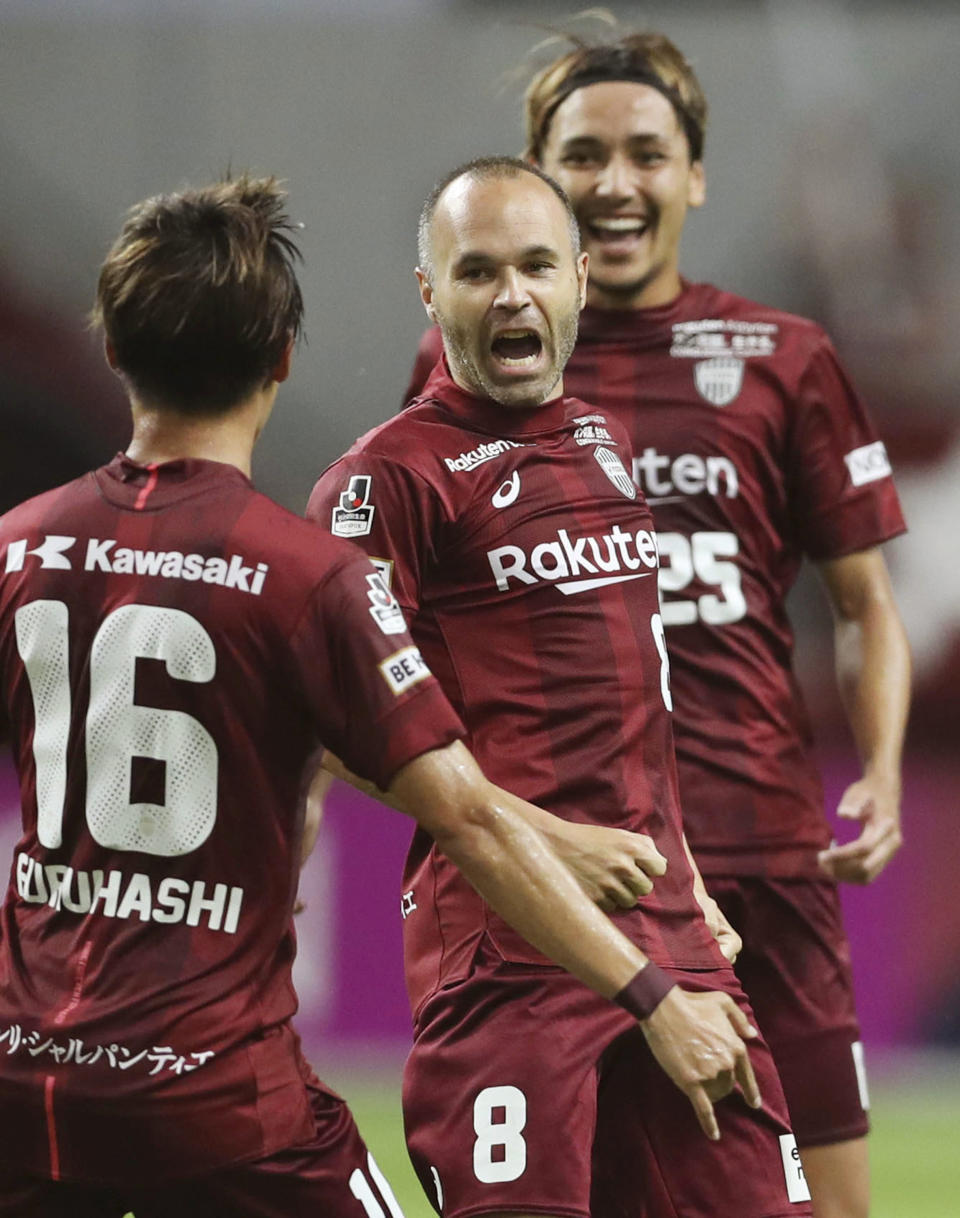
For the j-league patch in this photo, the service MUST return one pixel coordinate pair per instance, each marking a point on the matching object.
(353, 515)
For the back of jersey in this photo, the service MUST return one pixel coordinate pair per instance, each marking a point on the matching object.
(149, 625)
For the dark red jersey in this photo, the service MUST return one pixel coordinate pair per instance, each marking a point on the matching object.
(524, 557)
(753, 450)
(174, 647)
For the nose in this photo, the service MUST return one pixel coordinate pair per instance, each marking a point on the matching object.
(615, 179)
(512, 293)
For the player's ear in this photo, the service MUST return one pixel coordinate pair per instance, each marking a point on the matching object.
(110, 355)
(281, 369)
(583, 266)
(426, 294)
(697, 185)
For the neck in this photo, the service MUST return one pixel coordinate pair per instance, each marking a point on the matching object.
(161, 434)
(659, 290)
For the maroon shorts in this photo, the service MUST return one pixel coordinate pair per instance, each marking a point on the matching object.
(527, 1093)
(795, 965)
(333, 1175)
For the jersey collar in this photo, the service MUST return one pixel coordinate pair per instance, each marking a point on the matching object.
(482, 414)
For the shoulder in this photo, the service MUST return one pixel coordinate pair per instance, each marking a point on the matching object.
(301, 550)
(46, 507)
(705, 302)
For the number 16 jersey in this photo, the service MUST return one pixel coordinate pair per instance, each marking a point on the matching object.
(173, 649)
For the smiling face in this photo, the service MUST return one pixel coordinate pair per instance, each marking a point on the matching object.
(619, 151)
(505, 285)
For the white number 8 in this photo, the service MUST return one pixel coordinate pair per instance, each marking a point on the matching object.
(511, 1163)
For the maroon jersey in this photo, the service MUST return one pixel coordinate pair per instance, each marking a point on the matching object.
(752, 449)
(174, 647)
(517, 544)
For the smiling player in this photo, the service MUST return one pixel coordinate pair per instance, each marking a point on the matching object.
(753, 451)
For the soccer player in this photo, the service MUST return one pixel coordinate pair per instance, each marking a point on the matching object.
(504, 517)
(753, 451)
(174, 649)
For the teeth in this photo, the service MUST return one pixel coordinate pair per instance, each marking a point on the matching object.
(618, 224)
(515, 334)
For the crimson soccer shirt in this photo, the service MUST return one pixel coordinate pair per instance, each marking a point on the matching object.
(523, 556)
(753, 450)
(173, 649)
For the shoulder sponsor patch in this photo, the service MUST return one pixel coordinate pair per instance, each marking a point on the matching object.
(614, 468)
(720, 380)
(404, 668)
(353, 515)
(868, 464)
(384, 608)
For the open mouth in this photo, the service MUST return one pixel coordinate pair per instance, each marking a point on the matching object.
(617, 228)
(517, 348)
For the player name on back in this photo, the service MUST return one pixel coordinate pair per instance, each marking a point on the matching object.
(54, 553)
(116, 895)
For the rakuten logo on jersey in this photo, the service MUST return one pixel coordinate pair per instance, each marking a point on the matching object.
(660, 477)
(480, 455)
(613, 558)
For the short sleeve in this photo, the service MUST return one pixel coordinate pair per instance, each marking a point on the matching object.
(389, 511)
(428, 353)
(840, 484)
(374, 700)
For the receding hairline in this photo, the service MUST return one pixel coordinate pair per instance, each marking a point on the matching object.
(480, 171)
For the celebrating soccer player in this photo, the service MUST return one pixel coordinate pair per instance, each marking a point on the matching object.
(753, 451)
(504, 517)
(174, 648)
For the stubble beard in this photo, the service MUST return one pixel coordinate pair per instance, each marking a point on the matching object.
(521, 396)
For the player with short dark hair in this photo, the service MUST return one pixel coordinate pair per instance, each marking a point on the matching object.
(754, 451)
(506, 520)
(174, 651)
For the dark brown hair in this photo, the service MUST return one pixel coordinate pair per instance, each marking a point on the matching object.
(649, 58)
(198, 296)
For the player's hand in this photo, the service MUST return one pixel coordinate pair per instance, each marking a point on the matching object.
(875, 803)
(614, 867)
(700, 1041)
(728, 940)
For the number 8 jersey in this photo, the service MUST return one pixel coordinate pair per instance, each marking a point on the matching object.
(174, 647)
(518, 546)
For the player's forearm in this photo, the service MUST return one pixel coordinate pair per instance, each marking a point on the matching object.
(512, 866)
(873, 676)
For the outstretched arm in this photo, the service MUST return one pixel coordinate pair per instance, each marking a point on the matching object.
(873, 673)
(698, 1039)
(614, 867)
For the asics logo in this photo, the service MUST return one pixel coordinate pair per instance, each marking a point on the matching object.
(507, 493)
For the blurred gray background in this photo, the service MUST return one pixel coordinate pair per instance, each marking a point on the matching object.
(832, 163)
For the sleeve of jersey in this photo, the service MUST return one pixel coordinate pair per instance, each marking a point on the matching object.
(428, 352)
(840, 484)
(387, 510)
(376, 703)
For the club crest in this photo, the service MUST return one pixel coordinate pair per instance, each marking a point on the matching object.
(613, 467)
(719, 380)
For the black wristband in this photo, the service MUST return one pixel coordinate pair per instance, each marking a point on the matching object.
(645, 992)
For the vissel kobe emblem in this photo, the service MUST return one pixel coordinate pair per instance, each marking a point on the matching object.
(613, 467)
(719, 380)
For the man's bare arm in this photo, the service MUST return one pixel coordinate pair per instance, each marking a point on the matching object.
(873, 673)
(698, 1039)
(614, 867)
